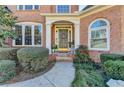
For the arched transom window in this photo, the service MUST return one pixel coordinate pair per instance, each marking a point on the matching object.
(99, 35)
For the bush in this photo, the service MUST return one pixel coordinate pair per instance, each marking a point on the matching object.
(88, 66)
(82, 54)
(8, 53)
(33, 59)
(7, 70)
(86, 75)
(106, 57)
(114, 69)
(84, 79)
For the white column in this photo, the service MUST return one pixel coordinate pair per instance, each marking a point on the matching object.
(48, 37)
(77, 35)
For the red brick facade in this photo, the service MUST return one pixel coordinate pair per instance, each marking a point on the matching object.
(34, 16)
(115, 16)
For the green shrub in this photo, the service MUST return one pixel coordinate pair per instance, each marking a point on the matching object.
(7, 70)
(90, 79)
(106, 57)
(88, 66)
(8, 53)
(33, 59)
(82, 54)
(114, 69)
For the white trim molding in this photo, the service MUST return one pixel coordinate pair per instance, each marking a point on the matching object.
(32, 24)
(107, 28)
(51, 20)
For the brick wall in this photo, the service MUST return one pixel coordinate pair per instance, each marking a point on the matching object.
(113, 15)
(34, 16)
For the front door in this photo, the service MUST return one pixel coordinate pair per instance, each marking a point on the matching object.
(63, 38)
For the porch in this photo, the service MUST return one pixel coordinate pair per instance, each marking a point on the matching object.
(62, 34)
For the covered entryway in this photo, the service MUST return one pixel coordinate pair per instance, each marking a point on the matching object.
(62, 31)
(62, 36)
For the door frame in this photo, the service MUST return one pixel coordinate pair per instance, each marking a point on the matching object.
(57, 29)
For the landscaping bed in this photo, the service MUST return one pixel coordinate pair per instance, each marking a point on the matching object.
(22, 76)
(25, 63)
(88, 74)
(91, 74)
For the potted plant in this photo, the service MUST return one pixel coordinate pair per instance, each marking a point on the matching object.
(54, 47)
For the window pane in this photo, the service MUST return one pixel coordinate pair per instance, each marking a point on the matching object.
(36, 7)
(37, 35)
(18, 30)
(101, 33)
(28, 36)
(99, 43)
(28, 7)
(20, 7)
(99, 23)
(63, 8)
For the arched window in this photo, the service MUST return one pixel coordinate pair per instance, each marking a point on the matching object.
(29, 34)
(99, 35)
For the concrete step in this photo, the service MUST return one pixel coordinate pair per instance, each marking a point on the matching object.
(64, 59)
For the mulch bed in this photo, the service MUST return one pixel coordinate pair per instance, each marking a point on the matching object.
(22, 76)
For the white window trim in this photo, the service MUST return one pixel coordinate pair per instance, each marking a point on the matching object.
(33, 8)
(57, 8)
(32, 24)
(107, 35)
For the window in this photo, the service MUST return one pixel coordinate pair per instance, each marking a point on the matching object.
(63, 9)
(28, 34)
(28, 7)
(36, 7)
(19, 33)
(99, 35)
(20, 7)
(37, 35)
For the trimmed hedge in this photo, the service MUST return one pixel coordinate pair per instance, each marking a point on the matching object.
(8, 53)
(114, 69)
(33, 59)
(7, 70)
(106, 57)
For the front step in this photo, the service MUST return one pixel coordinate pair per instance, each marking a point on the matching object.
(64, 57)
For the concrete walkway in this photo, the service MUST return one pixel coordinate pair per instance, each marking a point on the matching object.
(61, 75)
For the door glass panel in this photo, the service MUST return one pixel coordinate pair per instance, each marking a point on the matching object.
(63, 38)
(28, 36)
(37, 35)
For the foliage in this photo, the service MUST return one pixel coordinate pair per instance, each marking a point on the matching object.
(82, 54)
(7, 70)
(106, 57)
(54, 46)
(87, 79)
(7, 22)
(87, 75)
(8, 53)
(33, 59)
(114, 69)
